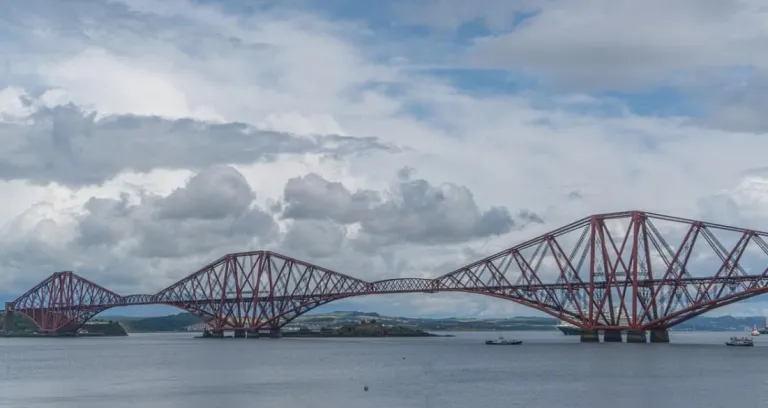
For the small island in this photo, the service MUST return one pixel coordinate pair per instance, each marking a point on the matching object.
(364, 328)
(102, 328)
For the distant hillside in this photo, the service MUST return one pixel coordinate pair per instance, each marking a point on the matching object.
(21, 323)
(177, 322)
(701, 323)
(123, 318)
(180, 321)
(722, 323)
(339, 318)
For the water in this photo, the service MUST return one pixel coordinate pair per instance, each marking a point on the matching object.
(547, 370)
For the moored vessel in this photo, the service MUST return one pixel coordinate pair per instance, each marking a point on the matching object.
(755, 332)
(740, 342)
(501, 341)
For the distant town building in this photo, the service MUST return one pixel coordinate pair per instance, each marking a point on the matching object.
(197, 327)
(100, 321)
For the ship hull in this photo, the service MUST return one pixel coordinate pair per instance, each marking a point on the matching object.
(569, 331)
(505, 343)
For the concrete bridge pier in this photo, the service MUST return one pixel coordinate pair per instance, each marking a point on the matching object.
(612, 336)
(275, 333)
(240, 333)
(8, 317)
(252, 334)
(590, 336)
(636, 336)
(660, 336)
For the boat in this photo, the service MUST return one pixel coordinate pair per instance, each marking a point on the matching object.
(755, 332)
(568, 329)
(740, 342)
(501, 341)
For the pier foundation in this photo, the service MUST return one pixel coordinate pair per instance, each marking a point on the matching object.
(239, 334)
(589, 336)
(636, 336)
(660, 336)
(275, 333)
(612, 336)
(252, 334)
(8, 317)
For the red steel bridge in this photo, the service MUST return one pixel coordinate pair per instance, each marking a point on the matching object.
(632, 272)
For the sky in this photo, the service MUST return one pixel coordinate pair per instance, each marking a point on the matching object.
(140, 140)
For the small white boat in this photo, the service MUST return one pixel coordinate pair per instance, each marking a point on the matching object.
(755, 332)
(501, 341)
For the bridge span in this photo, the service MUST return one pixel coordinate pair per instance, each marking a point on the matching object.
(629, 271)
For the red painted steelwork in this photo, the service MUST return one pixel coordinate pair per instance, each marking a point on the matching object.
(607, 271)
(64, 301)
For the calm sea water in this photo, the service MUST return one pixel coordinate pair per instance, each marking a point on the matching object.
(547, 370)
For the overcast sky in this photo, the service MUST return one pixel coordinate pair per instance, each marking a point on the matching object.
(141, 139)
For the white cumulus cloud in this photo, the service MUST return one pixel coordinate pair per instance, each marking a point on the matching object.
(141, 139)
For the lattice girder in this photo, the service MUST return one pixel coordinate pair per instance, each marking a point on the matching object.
(619, 271)
(249, 290)
(610, 271)
(64, 301)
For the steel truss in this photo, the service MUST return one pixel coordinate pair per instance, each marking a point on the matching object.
(606, 271)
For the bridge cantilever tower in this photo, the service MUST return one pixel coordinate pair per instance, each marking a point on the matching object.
(627, 271)
(63, 302)
(620, 272)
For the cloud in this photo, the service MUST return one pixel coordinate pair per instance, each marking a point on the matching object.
(317, 239)
(745, 204)
(414, 211)
(212, 194)
(689, 50)
(67, 145)
(451, 15)
(313, 197)
(183, 59)
(735, 100)
(594, 47)
(128, 127)
(213, 211)
(165, 237)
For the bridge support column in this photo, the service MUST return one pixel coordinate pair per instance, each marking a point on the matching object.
(239, 334)
(612, 336)
(636, 336)
(8, 317)
(275, 333)
(252, 334)
(589, 336)
(660, 336)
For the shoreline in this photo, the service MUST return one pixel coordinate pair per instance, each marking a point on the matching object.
(58, 335)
